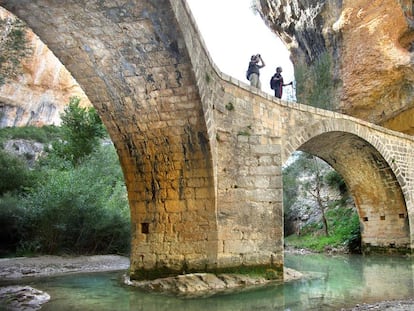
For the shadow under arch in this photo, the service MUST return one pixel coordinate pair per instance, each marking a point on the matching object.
(373, 185)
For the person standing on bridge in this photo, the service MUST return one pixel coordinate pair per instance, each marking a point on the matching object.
(276, 83)
(253, 72)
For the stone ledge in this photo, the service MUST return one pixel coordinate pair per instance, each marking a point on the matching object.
(195, 285)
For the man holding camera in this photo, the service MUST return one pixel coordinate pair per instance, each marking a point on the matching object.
(253, 72)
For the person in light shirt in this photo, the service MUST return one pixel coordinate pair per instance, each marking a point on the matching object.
(253, 71)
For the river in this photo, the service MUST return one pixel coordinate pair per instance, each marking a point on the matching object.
(334, 282)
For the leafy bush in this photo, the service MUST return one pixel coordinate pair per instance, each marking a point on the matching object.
(335, 180)
(11, 214)
(345, 222)
(75, 199)
(14, 173)
(83, 210)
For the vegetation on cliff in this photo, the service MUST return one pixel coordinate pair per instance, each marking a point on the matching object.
(13, 48)
(314, 83)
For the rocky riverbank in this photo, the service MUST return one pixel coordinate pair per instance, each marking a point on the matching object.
(26, 298)
(393, 305)
(26, 267)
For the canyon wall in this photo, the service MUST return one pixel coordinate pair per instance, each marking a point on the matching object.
(365, 47)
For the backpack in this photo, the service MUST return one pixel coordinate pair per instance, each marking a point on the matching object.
(272, 85)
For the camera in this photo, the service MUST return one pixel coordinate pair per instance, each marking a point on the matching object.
(255, 58)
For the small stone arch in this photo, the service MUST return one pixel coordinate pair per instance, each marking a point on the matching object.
(369, 173)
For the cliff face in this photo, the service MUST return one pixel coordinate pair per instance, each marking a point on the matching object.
(368, 46)
(41, 92)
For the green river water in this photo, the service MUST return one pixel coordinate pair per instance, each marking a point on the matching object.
(336, 282)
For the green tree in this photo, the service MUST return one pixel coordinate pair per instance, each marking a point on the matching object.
(14, 47)
(82, 210)
(314, 188)
(334, 180)
(82, 130)
(320, 175)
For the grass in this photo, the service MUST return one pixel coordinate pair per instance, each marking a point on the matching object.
(344, 231)
(314, 243)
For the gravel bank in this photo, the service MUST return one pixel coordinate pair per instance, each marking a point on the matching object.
(24, 267)
(394, 305)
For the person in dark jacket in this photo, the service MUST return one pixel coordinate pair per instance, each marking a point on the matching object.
(253, 72)
(276, 83)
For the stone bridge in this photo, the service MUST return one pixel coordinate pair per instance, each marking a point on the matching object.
(202, 153)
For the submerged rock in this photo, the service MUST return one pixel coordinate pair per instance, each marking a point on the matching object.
(207, 284)
(198, 284)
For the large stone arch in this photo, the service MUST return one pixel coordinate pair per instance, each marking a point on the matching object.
(370, 174)
(131, 60)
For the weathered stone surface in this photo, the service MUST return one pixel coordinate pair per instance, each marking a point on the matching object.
(370, 44)
(202, 284)
(43, 90)
(29, 150)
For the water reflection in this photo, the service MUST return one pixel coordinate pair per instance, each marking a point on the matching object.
(349, 280)
(336, 282)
